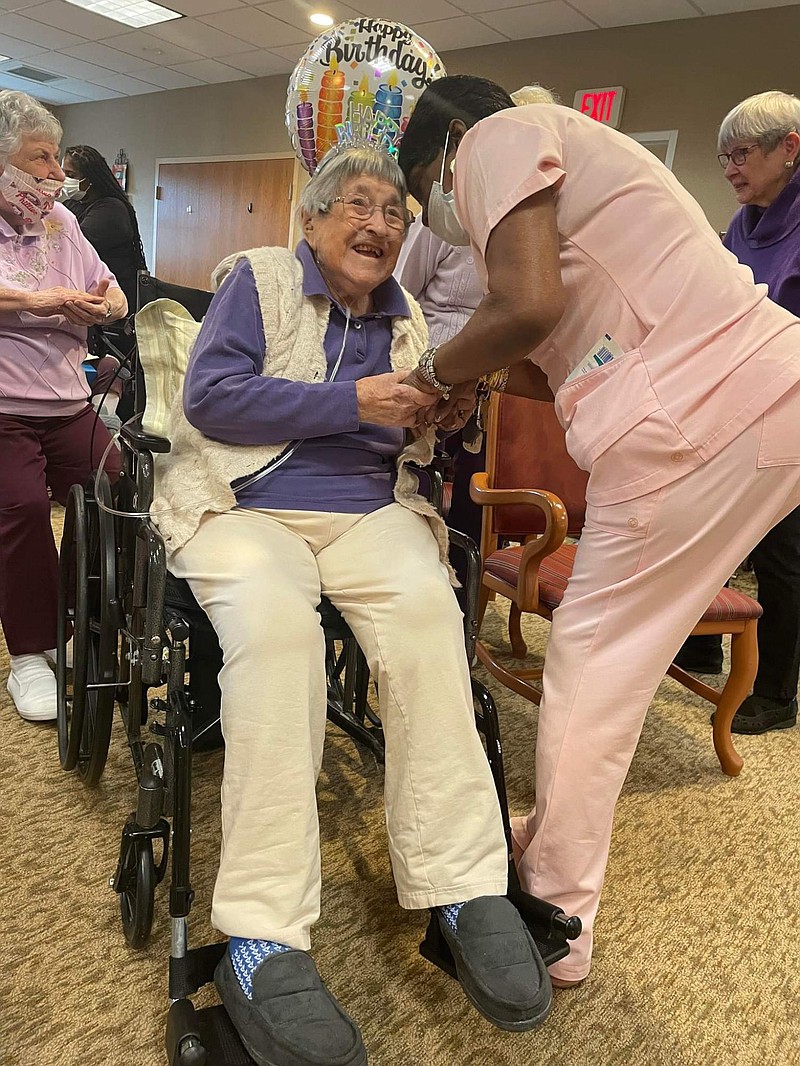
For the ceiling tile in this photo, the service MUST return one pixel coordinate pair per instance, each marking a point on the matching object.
(65, 16)
(450, 34)
(209, 70)
(413, 11)
(17, 5)
(296, 13)
(200, 38)
(539, 20)
(480, 7)
(722, 7)
(71, 67)
(10, 46)
(151, 49)
(201, 7)
(104, 56)
(261, 64)
(128, 86)
(166, 78)
(633, 12)
(36, 32)
(84, 89)
(256, 27)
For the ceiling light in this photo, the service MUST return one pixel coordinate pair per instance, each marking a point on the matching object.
(321, 20)
(131, 12)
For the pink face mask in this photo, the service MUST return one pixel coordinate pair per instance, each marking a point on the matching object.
(29, 197)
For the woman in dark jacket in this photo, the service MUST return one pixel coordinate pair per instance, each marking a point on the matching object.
(105, 215)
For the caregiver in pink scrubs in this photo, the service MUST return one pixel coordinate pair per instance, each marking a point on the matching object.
(594, 256)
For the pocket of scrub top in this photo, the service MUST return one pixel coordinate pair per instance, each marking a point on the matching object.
(598, 408)
(780, 432)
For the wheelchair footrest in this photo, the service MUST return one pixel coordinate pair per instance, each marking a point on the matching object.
(548, 926)
(203, 1037)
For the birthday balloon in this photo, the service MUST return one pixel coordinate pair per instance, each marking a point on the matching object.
(357, 83)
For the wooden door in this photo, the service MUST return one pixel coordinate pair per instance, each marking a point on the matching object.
(205, 211)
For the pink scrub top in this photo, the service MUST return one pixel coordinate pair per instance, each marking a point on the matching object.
(703, 352)
(40, 358)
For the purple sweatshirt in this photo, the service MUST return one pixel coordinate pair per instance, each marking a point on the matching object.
(767, 239)
(342, 465)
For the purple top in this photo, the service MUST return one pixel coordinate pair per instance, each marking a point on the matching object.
(40, 358)
(767, 239)
(342, 465)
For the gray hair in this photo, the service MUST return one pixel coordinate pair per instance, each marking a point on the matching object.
(338, 167)
(21, 116)
(765, 119)
(534, 94)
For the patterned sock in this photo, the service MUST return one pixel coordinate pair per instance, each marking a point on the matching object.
(450, 914)
(247, 956)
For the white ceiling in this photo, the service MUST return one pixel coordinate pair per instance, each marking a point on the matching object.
(96, 58)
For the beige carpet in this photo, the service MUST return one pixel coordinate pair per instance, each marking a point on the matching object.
(697, 960)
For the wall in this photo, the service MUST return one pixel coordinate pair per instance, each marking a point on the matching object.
(685, 74)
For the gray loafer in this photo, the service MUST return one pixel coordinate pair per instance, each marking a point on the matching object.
(292, 1019)
(498, 964)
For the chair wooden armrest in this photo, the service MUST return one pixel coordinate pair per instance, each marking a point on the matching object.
(535, 549)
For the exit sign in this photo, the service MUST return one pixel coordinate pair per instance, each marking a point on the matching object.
(603, 105)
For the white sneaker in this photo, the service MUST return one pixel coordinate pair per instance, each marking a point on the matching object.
(32, 686)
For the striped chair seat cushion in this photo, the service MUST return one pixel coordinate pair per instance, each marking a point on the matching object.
(554, 572)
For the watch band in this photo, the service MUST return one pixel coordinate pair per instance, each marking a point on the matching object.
(428, 372)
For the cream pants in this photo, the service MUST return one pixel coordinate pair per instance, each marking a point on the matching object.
(258, 575)
(644, 573)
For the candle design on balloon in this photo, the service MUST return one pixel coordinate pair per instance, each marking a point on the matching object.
(361, 97)
(389, 99)
(305, 131)
(330, 107)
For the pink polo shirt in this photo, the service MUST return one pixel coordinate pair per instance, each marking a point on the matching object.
(40, 358)
(441, 278)
(704, 351)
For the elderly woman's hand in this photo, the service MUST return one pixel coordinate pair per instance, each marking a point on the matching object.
(51, 301)
(385, 400)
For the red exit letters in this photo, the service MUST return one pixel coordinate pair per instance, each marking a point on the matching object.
(603, 105)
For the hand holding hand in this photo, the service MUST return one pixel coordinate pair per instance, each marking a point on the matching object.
(388, 400)
(53, 301)
(91, 309)
(454, 412)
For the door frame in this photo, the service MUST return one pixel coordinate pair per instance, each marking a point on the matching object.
(297, 184)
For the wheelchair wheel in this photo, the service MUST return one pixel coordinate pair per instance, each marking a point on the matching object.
(73, 620)
(137, 897)
(102, 641)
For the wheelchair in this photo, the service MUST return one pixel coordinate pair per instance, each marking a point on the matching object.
(141, 642)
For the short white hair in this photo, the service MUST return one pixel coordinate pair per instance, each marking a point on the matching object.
(334, 172)
(765, 119)
(534, 94)
(21, 116)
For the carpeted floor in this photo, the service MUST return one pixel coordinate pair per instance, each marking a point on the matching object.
(697, 960)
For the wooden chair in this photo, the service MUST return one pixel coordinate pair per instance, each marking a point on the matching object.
(525, 448)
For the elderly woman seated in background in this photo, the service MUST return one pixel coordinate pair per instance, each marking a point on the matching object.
(312, 349)
(52, 287)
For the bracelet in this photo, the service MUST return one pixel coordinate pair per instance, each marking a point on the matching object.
(497, 381)
(427, 372)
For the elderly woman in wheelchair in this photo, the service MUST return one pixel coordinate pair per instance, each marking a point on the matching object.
(288, 480)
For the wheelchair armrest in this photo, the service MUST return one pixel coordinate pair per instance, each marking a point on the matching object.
(139, 440)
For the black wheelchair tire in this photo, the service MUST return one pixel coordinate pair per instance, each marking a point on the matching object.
(73, 610)
(102, 641)
(137, 900)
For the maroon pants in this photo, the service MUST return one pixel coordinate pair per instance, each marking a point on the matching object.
(35, 453)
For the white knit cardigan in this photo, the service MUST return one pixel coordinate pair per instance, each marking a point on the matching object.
(195, 477)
